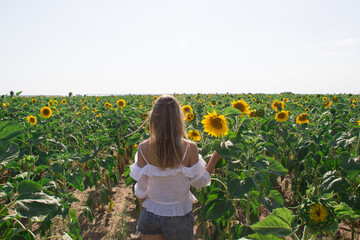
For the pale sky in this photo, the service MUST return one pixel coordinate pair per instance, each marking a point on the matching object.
(53, 47)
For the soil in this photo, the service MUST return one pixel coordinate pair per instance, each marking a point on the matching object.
(120, 223)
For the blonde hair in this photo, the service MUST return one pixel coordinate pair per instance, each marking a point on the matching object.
(167, 129)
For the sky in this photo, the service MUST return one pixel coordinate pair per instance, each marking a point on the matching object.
(115, 47)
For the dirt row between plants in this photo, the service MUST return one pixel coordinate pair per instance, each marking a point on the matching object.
(119, 223)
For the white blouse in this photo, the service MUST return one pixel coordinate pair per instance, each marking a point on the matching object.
(167, 191)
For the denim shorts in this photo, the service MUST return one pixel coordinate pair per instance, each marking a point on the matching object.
(177, 227)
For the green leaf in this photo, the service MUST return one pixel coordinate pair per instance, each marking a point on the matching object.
(231, 112)
(344, 211)
(76, 179)
(331, 182)
(58, 167)
(128, 179)
(105, 195)
(10, 130)
(238, 187)
(9, 154)
(276, 167)
(270, 148)
(28, 186)
(66, 236)
(215, 193)
(219, 208)
(278, 223)
(108, 163)
(133, 139)
(258, 236)
(91, 178)
(351, 167)
(88, 214)
(35, 204)
(273, 201)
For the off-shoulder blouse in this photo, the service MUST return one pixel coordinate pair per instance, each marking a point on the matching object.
(167, 192)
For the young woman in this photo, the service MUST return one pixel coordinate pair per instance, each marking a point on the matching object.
(165, 167)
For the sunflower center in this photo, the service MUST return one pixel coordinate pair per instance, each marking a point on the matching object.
(281, 115)
(46, 111)
(216, 123)
(240, 106)
(303, 118)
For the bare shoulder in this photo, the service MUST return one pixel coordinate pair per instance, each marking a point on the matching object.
(193, 153)
(144, 148)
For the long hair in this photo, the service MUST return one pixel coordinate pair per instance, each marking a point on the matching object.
(167, 129)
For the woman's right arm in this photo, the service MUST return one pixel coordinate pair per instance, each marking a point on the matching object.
(213, 161)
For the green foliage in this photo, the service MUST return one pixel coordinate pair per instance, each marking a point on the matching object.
(87, 143)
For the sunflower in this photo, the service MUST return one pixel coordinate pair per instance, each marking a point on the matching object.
(282, 116)
(216, 125)
(260, 113)
(109, 105)
(253, 114)
(194, 135)
(189, 117)
(98, 115)
(55, 102)
(325, 99)
(45, 112)
(358, 122)
(63, 101)
(335, 99)
(327, 104)
(187, 109)
(85, 108)
(144, 116)
(277, 105)
(307, 109)
(31, 119)
(302, 118)
(355, 100)
(241, 105)
(25, 104)
(33, 100)
(155, 98)
(318, 213)
(4, 105)
(121, 103)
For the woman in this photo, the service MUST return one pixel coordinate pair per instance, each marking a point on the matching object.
(165, 167)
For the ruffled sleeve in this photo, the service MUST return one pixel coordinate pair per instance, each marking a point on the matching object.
(142, 185)
(199, 176)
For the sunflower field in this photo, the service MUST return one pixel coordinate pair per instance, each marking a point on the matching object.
(290, 167)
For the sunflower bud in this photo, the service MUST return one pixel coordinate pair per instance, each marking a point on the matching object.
(318, 214)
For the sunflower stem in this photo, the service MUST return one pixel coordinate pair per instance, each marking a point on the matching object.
(357, 147)
(306, 233)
